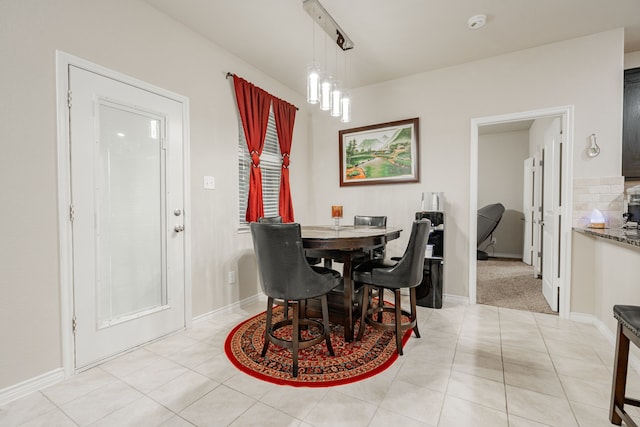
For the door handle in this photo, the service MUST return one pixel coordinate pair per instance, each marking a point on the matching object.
(178, 228)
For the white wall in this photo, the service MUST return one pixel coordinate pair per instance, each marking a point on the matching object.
(584, 72)
(135, 39)
(632, 60)
(501, 180)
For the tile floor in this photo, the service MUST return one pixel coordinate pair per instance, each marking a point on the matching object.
(474, 366)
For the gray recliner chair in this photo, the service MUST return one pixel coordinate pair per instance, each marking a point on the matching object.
(488, 219)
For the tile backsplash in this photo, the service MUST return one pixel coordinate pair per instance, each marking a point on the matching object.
(605, 193)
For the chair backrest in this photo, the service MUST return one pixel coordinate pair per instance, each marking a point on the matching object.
(369, 221)
(270, 219)
(407, 273)
(282, 265)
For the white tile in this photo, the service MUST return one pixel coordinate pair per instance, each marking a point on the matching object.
(295, 401)
(420, 372)
(248, 385)
(539, 407)
(524, 357)
(78, 385)
(336, 409)
(414, 402)
(219, 407)
(52, 418)
(541, 380)
(459, 412)
(171, 345)
(25, 409)
(591, 416)
(156, 374)
(265, 416)
(218, 368)
(101, 402)
(481, 366)
(143, 411)
(478, 390)
(386, 418)
(515, 421)
(595, 393)
(182, 391)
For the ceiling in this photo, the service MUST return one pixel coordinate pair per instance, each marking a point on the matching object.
(393, 39)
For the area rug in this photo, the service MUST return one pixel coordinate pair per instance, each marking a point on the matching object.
(353, 361)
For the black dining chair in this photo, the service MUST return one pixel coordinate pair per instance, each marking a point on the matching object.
(278, 220)
(286, 275)
(371, 221)
(381, 275)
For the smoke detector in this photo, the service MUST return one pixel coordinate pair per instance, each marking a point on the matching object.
(477, 21)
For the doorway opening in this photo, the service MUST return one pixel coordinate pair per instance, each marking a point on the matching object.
(546, 240)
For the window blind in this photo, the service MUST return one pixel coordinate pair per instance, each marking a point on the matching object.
(270, 164)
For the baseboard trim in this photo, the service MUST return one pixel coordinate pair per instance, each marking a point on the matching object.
(29, 386)
(457, 299)
(229, 308)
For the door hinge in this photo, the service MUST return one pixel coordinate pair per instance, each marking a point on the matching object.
(69, 98)
(74, 324)
(72, 213)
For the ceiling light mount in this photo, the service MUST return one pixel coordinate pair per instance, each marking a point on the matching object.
(320, 15)
(477, 22)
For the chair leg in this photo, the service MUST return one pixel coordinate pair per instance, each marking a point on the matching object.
(620, 366)
(295, 338)
(380, 303)
(414, 312)
(363, 314)
(267, 326)
(286, 309)
(325, 323)
(398, 319)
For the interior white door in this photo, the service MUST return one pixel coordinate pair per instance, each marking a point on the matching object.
(127, 203)
(527, 209)
(536, 213)
(550, 214)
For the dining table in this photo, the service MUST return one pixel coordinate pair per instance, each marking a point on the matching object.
(345, 244)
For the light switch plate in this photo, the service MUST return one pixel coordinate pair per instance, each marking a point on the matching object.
(209, 183)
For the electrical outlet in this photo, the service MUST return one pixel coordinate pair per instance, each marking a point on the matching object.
(209, 183)
(232, 277)
(493, 240)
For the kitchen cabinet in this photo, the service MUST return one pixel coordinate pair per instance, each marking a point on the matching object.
(631, 125)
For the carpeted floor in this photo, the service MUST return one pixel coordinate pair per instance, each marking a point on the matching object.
(510, 283)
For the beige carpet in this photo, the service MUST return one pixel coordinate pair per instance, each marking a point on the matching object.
(510, 283)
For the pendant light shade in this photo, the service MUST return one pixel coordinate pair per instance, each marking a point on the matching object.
(346, 108)
(325, 92)
(336, 99)
(313, 84)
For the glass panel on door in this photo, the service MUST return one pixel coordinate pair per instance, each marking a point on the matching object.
(130, 273)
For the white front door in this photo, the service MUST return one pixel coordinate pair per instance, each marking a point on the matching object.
(127, 215)
(551, 193)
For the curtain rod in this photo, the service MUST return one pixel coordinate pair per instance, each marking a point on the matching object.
(230, 74)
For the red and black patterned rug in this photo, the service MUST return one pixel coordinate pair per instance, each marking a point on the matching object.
(353, 361)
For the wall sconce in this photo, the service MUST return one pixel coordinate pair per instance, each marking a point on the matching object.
(593, 149)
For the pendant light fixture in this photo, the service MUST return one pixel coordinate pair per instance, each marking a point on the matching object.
(313, 74)
(321, 87)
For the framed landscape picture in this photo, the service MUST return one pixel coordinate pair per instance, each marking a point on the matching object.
(386, 153)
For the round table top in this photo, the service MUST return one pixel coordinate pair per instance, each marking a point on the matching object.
(346, 236)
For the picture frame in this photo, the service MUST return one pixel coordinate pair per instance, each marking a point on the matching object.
(384, 153)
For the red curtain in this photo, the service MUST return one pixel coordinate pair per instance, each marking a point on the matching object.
(285, 116)
(253, 105)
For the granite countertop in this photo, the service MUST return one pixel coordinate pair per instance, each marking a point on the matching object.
(630, 236)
